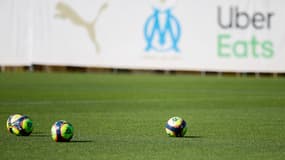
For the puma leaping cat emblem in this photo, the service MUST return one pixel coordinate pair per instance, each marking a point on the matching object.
(64, 11)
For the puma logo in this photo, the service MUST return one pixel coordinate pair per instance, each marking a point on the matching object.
(67, 12)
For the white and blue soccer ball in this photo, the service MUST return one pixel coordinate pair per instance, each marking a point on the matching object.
(20, 125)
(62, 131)
(176, 127)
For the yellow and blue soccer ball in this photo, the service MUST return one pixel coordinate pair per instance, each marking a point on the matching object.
(176, 127)
(62, 131)
(20, 125)
(11, 119)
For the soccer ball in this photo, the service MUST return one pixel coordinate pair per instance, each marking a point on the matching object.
(61, 131)
(19, 125)
(176, 127)
(11, 119)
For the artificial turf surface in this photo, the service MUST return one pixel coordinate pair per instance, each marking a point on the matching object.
(122, 116)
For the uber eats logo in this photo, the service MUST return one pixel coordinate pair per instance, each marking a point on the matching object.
(235, 21)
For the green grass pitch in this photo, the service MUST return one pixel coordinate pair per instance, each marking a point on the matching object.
(122, 116)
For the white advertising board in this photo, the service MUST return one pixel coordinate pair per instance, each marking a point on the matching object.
(204, 35)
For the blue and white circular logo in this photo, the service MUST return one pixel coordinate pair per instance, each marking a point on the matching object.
(162, 30)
